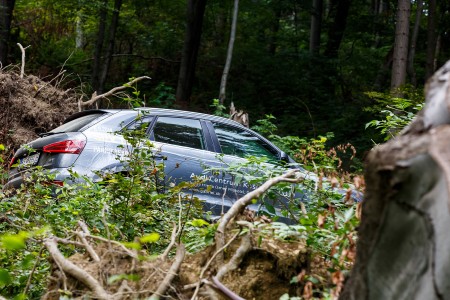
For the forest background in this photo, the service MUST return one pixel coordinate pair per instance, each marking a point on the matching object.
(318, 66)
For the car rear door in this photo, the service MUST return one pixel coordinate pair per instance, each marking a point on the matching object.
(185, 148)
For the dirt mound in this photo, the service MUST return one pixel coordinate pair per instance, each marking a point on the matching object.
(30, 106)
(265, 272)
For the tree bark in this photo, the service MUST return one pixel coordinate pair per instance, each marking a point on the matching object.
(195, 14)
(431, 39)
(109, 51)
(316, 26)
(226, 69)
(6, 11)
(339, 12)
(412, 48)
(399, 62)
(98, 51)
(403, 241)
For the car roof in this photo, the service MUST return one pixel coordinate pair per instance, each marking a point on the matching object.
(158, 112)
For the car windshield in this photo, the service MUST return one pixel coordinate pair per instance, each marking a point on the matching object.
(76, 124)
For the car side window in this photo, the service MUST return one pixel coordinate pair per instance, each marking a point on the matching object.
(141, 123)
(239, 142)
(179, 131)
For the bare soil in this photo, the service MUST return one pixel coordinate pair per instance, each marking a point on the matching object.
(29, 106)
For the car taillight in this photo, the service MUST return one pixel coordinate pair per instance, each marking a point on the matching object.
(69, 146)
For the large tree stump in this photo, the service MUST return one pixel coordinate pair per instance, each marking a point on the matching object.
(403, 249)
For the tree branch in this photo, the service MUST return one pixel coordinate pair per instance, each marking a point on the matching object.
(75, 271)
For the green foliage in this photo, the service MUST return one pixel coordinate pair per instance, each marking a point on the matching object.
(163, 96)
(219, 109)
(394, 113)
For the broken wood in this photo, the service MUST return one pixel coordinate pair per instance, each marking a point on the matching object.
(403, 245)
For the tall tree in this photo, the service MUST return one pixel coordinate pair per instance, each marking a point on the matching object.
(6, 10)
(96, 67)
(226, 69)
(412, 47)
(400, 58)
(316, 26)
(195, 14)
(338, 13)
(110, 46)
(431, 39)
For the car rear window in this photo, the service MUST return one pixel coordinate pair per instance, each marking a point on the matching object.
(77, 124)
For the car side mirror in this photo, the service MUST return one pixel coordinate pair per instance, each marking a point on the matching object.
(284, 157)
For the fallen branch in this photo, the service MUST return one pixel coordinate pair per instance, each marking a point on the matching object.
(202, 273)
(240, 205)
(75, 271)
(229, 293)
(237, 258)
(181, 251)
(96, 97)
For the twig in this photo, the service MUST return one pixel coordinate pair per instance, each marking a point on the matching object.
(129, 252)
(240, 204)
(175, 232)
(22, 68)
(162, 288)
(229, 293)
(202, 273)
(75, 271)
(96, 97)
(88, 247)
(237, 258)
(27, 287)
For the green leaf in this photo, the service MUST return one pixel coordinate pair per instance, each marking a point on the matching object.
(199, 223)
(5, 278)
(150, 238)
(2, 147)
(117, 277)
(13, 241)
(132, 245)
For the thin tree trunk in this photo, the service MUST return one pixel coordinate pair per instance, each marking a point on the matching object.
(316, 26)
(109, 51)
(195, 14)
(400, 58)
(431, 39)
(274, 27)
(226, 69)
(412, 48)
(6, 10)
(339, 12)
(99, 46)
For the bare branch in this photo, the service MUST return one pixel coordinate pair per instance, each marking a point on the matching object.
(75, 271)
(230, 294)
(240, 204)
(237, 258)
(96, 97)
(202, 273)
(181, 251)
(22, 49)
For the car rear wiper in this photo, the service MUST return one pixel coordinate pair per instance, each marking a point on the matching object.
(49, 133)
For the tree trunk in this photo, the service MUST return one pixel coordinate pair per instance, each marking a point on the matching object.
(339, 12)
(399, 63)
(316, 26)
(226, 69)
(403, 243)
(109, 51)
(99, 46)
(412, 47)
(6, 10)
(195, 14)
(431, 39)
(274, 27)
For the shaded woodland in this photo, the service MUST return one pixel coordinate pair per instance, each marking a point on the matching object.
(308, 63)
